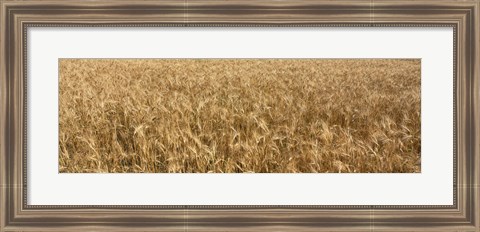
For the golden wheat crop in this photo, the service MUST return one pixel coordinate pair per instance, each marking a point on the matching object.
(239, 115)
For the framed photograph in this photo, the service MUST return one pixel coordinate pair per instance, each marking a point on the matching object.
(239, 115)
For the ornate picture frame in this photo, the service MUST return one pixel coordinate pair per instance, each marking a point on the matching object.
(17, 16)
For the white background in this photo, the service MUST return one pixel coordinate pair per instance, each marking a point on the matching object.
(433, 186)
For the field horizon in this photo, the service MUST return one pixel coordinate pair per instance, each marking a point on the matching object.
(239, 116)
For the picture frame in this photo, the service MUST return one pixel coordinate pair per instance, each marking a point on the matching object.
(17, 16)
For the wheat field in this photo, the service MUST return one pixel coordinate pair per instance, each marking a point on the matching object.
(239, 115)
